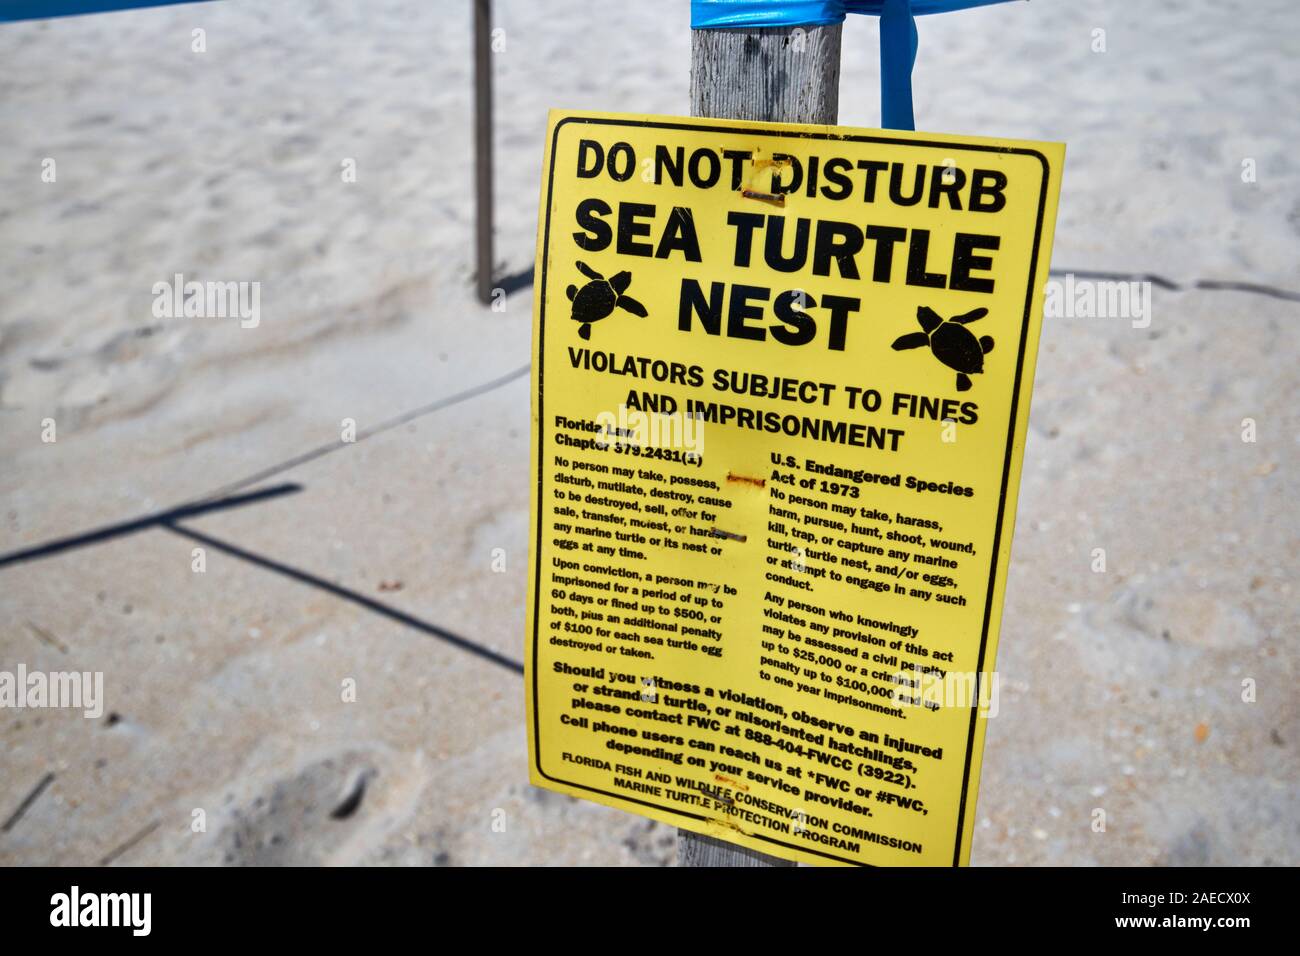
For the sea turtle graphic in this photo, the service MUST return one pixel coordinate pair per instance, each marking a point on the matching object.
(951, 342)
(596, 300)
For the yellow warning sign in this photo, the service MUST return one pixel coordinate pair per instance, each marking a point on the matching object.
(781, 381)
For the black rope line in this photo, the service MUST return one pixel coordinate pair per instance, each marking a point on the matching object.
(108, 532)
(221, 498)
(129, 844)
(356, 597)
(1216, 285)
(322, 450)
(28, 800)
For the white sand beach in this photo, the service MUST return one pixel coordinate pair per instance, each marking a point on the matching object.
(1121, 690)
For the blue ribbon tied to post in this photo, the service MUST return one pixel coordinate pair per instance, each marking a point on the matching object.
(897, 34)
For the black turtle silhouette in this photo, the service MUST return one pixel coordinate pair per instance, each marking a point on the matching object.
(951, 342)
(596, 300)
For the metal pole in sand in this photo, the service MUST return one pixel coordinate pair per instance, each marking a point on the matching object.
(483, 145)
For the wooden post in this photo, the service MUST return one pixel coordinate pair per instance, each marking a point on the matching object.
(483, 146)
(775, 75)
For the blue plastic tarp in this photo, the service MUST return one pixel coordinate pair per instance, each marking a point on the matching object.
(898, 40)
(11, 10)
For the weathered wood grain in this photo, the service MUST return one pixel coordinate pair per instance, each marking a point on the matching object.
(778, 74)
(782, 75)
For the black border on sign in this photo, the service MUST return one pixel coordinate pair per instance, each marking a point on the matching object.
(1006, 467)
